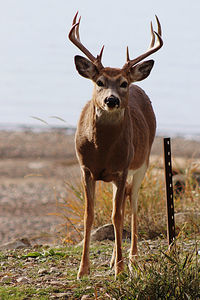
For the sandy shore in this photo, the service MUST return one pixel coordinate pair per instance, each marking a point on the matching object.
(33, 171)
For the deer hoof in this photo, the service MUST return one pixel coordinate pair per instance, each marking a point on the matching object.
(119, 268)
(133, 259)
(132, 263)
(112, 261)
(83, 272)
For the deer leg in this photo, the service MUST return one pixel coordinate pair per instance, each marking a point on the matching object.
(112, 261)
(89, 190)
(117, 219)
(136, 183)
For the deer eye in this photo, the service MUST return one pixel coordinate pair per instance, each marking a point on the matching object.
(124, 84)
(100, 83)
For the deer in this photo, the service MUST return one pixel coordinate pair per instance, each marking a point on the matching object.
(113, 139)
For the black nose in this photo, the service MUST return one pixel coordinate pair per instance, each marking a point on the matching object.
(112, 101)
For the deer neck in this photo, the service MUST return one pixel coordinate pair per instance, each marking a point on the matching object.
(105, 118)
(108, 126)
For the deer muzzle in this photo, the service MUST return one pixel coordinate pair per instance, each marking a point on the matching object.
(112, 101)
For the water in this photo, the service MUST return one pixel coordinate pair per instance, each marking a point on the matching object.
(37, 74)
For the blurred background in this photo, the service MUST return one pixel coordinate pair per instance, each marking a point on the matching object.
(37, 73)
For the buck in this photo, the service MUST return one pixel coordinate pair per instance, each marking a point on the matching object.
(114, 138)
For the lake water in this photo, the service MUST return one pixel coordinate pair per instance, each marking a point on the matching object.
(37, 74)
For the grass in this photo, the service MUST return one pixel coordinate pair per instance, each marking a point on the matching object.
(50, 273)
(163, 276)
(13, 293)
(151, 207)
(159, 274)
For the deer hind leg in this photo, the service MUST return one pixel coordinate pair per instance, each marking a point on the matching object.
(117, 219)
(112, 261)
(89, 190)
(137, 178)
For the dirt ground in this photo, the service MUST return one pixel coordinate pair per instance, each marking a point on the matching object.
(33, 169)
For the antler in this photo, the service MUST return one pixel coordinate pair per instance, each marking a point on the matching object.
(152, 48)
(75, 39)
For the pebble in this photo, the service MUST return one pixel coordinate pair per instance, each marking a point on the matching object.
(22, 280)
(5, 278)
(84, 297)
(54, 282)
(54, 270)
(42, 271)
(60, 295)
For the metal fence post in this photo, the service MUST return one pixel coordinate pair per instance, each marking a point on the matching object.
(169, 191)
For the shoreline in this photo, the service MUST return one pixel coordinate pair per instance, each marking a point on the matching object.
(58, 143)
(68, 129)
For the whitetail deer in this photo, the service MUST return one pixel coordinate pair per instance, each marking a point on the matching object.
(114, 138)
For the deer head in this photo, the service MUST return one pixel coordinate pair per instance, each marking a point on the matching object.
(111, 85)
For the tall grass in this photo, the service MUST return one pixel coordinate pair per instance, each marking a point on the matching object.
(151, 207)
(162, 275)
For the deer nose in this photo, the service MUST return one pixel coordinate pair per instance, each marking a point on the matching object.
(112, 101)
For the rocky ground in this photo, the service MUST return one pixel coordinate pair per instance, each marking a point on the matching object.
(33, 170)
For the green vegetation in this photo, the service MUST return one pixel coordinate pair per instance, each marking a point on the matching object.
(160, 273)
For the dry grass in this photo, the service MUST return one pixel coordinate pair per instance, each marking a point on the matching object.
(158, 274)
(151, 207)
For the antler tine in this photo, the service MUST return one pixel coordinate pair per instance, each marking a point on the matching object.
(159, 41)
(74, 19)
(159, 26)
(152, 49)
(77, 30)
(100, 54)
(127, 54)
(74, 37)
(152, 37)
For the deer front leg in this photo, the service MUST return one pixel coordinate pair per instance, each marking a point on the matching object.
(89, 190)
(117, 218)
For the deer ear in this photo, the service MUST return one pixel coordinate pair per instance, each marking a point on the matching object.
(141, 71)
(85, 67)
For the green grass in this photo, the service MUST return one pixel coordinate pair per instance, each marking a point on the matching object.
(12, 293)
(159, 274)
(162, 276)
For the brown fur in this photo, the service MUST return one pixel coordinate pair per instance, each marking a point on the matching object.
(106, 150)
(98, 146)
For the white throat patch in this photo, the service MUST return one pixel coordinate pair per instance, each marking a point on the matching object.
(109, 116)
